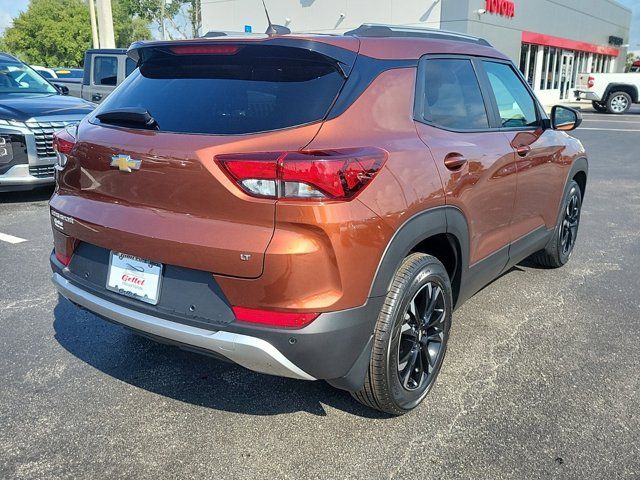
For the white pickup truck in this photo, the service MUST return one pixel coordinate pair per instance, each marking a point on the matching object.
(609, 92)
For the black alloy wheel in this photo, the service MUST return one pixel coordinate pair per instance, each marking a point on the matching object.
(420, 347)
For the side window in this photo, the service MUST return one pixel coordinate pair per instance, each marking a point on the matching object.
(129, 67)
(516, 106)
(105, 70)
(452, 97)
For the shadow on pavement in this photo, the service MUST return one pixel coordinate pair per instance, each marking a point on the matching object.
(25, 196)
(189, 377)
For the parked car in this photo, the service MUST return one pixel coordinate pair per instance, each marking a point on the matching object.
(313, 206)
(30, 110)
(609, 92)
(68, 73)
(635, 67)
(104, 69)
(47, 73)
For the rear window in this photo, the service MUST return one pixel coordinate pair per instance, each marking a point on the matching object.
(257, 89)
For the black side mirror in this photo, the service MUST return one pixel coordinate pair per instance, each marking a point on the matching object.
(63, 89)
(565, 118)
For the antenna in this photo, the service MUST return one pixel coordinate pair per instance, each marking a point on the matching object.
(271, 30)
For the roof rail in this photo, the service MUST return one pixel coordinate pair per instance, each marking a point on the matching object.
(383, 30)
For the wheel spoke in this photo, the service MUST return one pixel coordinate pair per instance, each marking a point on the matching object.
(408, 369)
(432, 355)
(436, 319)
(433, 300)
(413, 310)
(433, 338)
(406, 345)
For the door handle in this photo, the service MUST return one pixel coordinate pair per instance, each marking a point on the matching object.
(522, 150)
(96, 97)
(454, 161)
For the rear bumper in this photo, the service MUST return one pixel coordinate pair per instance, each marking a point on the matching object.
(334, 347)
(586, 95)
(250, 352)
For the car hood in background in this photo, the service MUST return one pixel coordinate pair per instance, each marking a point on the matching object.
(21, 107)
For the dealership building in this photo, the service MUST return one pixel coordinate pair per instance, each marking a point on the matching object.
(550, 40)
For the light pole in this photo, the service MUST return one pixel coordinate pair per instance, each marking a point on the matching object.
(105, 24)
(94, 26)
(162, 32)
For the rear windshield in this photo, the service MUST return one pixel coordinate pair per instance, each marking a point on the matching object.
(257, 89)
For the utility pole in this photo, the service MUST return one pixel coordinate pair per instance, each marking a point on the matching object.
(94, 26)
(162, 32)
(105, 24)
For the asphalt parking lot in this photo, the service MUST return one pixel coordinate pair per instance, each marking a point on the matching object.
(542, 377)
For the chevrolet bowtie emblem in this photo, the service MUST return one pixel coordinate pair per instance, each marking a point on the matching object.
(125, 163)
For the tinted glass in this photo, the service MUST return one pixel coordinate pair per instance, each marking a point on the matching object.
(45, 74)
(16, 77)
(69, 73)
(258, 89)
(515, 104)
(105, 71)
(129, 67)
(452, 95)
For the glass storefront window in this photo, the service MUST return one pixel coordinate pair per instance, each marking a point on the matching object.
(545, 68)
(528, 61)
(556, 70)
(553, 55)
(524, 56)
(531, 71)
(560, 66)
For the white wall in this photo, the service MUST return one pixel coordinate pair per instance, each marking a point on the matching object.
(317, 15)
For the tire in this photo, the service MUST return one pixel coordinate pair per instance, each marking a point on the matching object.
(393, 384)
(559, 249)
(618, 103)
(599, 107)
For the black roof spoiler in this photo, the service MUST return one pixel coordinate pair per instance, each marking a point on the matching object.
(141, 50)
(384, 30)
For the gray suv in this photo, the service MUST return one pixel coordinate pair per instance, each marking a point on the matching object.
(31, 109)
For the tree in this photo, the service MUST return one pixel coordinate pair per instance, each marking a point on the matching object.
(170, 13)
(57, 32)
(631, 57)
(128, 27)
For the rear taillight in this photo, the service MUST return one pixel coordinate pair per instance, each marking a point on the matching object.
(63, 143)
(311, 175)
(63, 259)
(591, 82)
(274, 319)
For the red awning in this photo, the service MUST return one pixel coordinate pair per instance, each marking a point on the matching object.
(551, 41)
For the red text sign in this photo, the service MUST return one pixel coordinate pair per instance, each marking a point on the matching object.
(505, 8)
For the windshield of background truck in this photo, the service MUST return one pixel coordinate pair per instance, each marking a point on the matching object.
(16, 77)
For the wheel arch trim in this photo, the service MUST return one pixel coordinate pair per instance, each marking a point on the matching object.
(632, 90)
(579, 165)
(418, 228)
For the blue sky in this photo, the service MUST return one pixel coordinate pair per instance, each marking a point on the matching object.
(11, 8)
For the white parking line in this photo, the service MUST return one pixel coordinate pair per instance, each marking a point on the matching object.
(610, 129)
(11, 239)
(604, 115)
(610, 121)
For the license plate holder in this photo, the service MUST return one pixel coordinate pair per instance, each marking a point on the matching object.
(134, 277)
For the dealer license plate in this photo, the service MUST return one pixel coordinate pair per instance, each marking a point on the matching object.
(134, 277)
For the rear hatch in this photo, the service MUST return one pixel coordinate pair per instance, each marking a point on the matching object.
(176, 205)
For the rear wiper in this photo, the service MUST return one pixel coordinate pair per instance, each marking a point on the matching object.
(129, 117)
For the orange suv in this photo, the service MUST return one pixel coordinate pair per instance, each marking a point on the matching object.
(313, 206)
